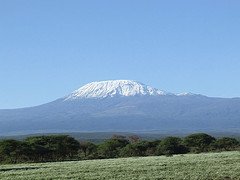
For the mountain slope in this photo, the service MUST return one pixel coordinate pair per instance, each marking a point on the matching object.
(124, 106)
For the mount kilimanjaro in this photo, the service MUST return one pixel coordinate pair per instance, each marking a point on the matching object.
(124, 105)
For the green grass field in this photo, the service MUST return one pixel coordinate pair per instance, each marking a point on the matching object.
(225, 165)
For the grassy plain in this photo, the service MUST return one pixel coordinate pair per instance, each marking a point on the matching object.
(225, 165)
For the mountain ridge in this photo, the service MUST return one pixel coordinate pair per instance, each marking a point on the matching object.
(131, 112)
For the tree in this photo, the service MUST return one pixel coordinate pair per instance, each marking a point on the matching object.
(152, 148)
(134, 138)
(226, 143)
(40, 150)
(55, 147)
(12, 151)
(135, 149)
(171, 145)
(199, 142)
(111, 148)
(88, 149)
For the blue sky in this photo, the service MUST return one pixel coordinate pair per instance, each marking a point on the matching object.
(49, 48)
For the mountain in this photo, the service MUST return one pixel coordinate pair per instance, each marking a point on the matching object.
(124, 105)
(115, 88)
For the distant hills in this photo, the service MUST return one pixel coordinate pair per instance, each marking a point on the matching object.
(125, 106)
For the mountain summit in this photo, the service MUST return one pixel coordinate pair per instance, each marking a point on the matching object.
(125, 106)
(114, 88)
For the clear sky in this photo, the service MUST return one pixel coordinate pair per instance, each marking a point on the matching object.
(49, 48)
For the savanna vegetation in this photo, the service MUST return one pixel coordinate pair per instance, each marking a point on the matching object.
(214, 166)
(65, 148)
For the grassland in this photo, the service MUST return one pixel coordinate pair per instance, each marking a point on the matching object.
(225, 165)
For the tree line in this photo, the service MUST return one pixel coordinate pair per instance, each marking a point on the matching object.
(64, 147)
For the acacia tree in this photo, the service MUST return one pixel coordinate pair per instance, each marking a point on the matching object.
(199, 142)
(13, 151)
(111, 148)
(55, 147)
(135, 149)
(88, 150)
(171, 145)
(226, 143)
(134, 138)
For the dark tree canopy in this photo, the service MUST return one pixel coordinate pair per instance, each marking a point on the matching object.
(111, 148)
(63, 147)
(135, 149)
(226, 143)
(88, 150)
(171, 145)
(199, 142)
(58, 147)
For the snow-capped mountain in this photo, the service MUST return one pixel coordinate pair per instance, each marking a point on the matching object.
(124, 105)
(115, 88)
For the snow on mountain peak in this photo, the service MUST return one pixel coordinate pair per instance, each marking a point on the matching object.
(185, 94)
(114, 88)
